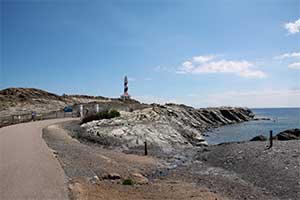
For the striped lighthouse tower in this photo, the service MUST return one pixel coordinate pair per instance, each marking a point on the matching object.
(125, 95)
(125, 86)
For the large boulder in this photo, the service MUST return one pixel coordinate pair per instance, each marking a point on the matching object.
(291, 134)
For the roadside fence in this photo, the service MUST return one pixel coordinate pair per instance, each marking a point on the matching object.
(21, 118)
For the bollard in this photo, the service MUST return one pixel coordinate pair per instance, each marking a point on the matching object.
(81, 111)
(146, 150)
(271, 139)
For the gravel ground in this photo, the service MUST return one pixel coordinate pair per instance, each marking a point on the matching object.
(247, 170)
(239, 171)
(83, 161)
(275, 172)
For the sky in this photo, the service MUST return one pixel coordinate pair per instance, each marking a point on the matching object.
(200, 53)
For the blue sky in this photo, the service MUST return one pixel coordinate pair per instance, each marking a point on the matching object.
(201, 53)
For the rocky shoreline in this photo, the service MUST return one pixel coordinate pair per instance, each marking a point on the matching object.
(105, 159)
(238, 170)
(166, 126)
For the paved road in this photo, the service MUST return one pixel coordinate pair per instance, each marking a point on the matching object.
(28, 169)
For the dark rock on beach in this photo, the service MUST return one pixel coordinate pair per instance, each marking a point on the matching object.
(259, 138)
(291, 134)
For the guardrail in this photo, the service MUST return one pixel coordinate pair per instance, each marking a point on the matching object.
(16, 119)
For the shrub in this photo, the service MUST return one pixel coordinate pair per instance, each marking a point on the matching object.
(113, 113)
(128, 182)
(101, 115)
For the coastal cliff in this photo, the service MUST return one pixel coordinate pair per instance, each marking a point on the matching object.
(165, 126)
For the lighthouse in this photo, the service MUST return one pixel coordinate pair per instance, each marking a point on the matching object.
(125, 94)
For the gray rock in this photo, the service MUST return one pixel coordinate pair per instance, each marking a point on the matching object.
(165, 126)
(291, 134)
(139, 178)
(259, 138)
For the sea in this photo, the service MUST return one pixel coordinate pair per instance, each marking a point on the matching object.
(280, 119)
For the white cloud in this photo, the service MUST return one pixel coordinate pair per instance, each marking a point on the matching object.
(293, 27)
(294, 65)
(187, 66)
(240, 68)
(288, 55)
(148, 79)
(203, 59)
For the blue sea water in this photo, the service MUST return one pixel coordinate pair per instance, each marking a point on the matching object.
(281, 119)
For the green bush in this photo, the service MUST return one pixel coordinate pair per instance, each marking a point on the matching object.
(101, 115)
(128, 182)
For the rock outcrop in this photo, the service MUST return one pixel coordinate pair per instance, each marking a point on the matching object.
(164, 126)
(291, 134)
(259, 138)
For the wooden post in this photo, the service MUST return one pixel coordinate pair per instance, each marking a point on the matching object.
(271, 139)
(146, 150)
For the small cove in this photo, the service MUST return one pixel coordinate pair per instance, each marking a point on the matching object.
(280, 119)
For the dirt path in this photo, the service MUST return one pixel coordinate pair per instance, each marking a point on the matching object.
(28, 169)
